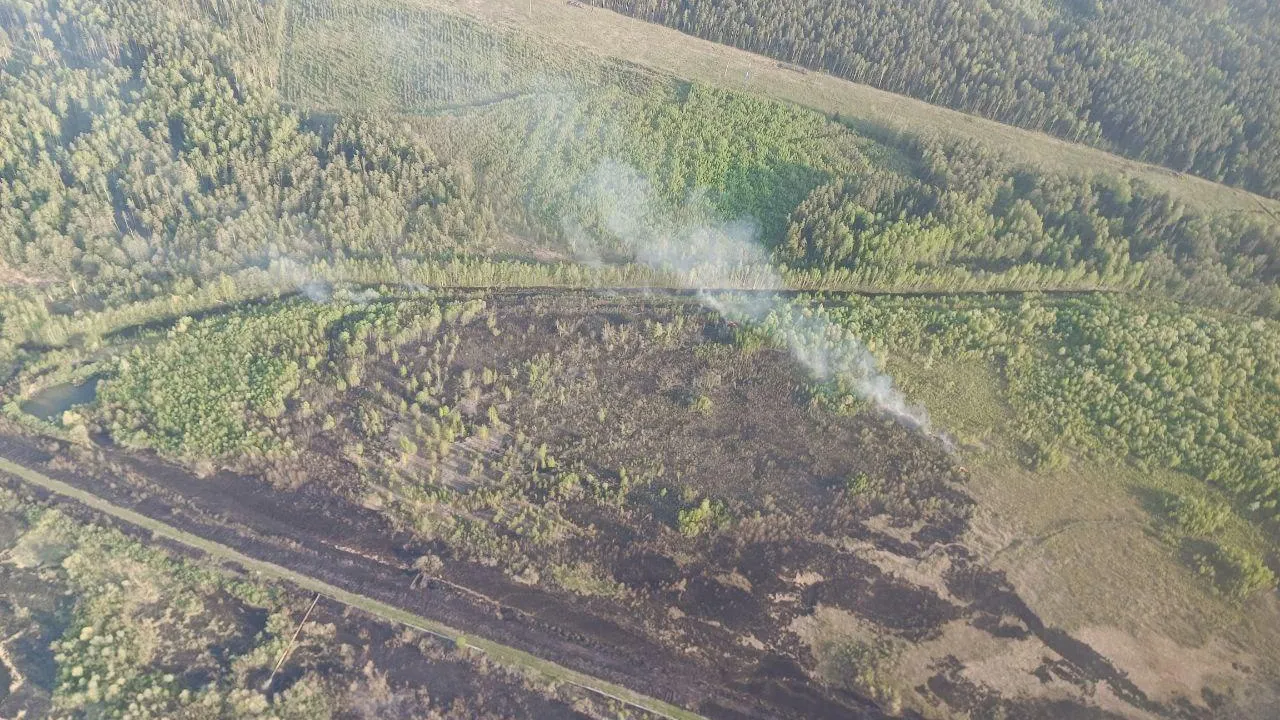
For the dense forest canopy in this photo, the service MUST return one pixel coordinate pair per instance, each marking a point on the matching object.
(1188, 85)
(167, 163)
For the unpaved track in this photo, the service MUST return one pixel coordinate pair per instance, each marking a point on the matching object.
(303, 538)
(502, 653)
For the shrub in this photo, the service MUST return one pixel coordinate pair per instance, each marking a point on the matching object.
(1235, 571)
(861, 666)
(1196, 516)
(370, 421)
(583, 578)
(429, 564)
(701, 405)
(701, 518)
(860, 485)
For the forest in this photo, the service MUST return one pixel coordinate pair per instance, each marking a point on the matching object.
(167, 169)
(691, 372)
(1190, 86)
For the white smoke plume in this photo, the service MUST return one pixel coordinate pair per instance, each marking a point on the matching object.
(290, 275)
(617, 211)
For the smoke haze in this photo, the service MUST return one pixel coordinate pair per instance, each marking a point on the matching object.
(615, 210)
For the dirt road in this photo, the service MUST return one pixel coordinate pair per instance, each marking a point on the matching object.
(348, 554)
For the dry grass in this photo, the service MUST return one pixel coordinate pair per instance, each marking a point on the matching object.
(669, 51)
(1078, 541)
(1084, 553)
(963, 397)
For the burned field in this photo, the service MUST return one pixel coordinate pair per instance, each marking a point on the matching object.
(367, 298)
(629, 485)
(96, 624)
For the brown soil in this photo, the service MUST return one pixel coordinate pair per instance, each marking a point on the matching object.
(400, 674)
(706, 622)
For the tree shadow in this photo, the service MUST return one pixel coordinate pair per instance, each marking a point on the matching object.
(1155, 502)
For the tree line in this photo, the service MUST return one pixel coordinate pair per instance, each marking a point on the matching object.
(137, 171)
(1187, 85)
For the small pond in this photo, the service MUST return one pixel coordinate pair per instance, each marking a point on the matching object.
(50, 403)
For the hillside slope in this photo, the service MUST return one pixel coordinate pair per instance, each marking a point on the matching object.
(1187, 85)
(670, 51)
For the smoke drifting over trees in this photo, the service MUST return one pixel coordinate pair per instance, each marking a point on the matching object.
(618, 202)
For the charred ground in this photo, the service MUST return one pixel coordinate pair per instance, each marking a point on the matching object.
(631, 486)
(95, 621)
